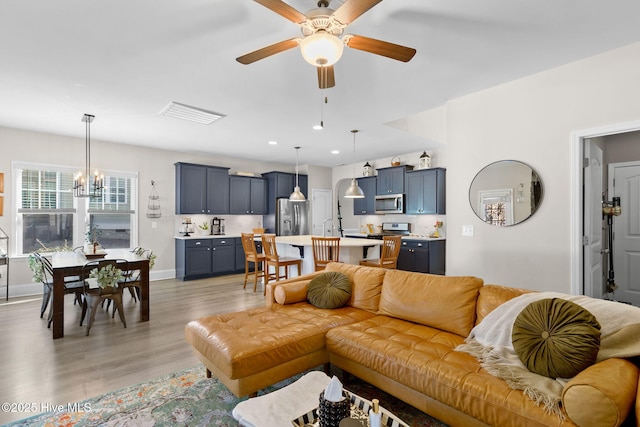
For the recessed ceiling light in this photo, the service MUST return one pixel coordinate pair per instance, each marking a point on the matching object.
(335, 152)
(273, 142)
(318, 127)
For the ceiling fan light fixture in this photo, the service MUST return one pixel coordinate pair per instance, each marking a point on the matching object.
(321, 49)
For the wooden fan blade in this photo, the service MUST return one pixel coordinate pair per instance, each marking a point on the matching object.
(283, 9)
(379, 47)
(268, 51)
(326, 78)
(352, 9)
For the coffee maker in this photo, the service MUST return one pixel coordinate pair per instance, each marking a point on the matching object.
(217, 226)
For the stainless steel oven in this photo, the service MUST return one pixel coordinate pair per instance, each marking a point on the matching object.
(392, 229)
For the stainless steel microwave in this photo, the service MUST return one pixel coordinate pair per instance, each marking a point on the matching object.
(389, 203)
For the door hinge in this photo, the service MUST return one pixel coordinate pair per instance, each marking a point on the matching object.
(585, 240)
(585, 162)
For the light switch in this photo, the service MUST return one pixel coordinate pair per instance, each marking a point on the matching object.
(154, 224)
(468, 230)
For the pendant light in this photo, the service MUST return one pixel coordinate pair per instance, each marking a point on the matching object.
(354, 191)
(82, 187)
(297, 195)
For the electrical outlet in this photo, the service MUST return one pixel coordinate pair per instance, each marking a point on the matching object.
(468, 230)
(154, 224)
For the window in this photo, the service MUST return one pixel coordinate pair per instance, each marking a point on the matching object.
(113, 213)
(496, 206)
(48, 215)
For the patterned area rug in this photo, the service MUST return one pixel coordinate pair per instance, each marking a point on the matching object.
(188, 398)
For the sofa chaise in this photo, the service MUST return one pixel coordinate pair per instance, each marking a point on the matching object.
(399, 331)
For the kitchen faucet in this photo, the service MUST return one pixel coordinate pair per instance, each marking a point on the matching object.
(324, 229)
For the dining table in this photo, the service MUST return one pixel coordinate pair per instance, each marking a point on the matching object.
(68, 264)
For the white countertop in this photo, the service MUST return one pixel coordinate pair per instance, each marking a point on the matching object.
(344, 241)
(409, 237)
(209, 236)
(349, 240)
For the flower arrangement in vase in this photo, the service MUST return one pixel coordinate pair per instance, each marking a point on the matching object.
(437, 226)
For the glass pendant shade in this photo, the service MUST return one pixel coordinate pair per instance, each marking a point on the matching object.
(354, 191)
(321, 49)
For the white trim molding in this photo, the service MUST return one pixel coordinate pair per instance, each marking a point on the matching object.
(577, 154)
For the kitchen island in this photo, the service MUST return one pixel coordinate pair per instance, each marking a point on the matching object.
(352, 250)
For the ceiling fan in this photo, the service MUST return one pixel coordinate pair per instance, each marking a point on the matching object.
(321, 45)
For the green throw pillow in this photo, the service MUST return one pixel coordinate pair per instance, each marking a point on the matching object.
(329, 290)
(556, 338)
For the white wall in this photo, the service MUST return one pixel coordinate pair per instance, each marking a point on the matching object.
(150, 164)
(531, 120)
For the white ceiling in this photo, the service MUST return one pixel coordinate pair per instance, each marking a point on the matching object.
(125, 60)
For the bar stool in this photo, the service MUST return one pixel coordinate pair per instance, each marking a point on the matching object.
(251, 255)
(388, 253)
(272, 259)
(325, 250)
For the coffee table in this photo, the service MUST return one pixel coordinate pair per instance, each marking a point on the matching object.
(288, 406)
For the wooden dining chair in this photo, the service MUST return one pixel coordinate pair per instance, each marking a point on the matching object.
(94, 295)
(325, 250)
(389, 252)
(251, 255)
(272, 259)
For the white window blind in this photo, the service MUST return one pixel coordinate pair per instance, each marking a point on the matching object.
(48, 214)
(45, 191)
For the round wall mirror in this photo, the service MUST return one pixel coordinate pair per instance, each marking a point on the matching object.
(505, 193)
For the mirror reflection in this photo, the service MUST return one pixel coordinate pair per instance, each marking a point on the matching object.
(505, 193)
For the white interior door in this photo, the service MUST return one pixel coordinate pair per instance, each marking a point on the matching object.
(592, 249)
(322, 209)
(624, 182)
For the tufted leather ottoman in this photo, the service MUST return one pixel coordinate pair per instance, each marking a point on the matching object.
(253, 349)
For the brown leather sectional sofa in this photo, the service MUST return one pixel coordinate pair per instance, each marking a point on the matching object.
(398, 332)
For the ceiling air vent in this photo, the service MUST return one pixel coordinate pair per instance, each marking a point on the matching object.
(187, 112)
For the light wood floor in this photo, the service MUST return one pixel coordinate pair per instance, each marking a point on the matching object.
(36, 369)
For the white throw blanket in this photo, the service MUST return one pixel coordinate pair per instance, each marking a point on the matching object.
(490, 342)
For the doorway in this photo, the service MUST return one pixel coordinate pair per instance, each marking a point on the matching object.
(322, 212)
(624, 184)
(592, 151)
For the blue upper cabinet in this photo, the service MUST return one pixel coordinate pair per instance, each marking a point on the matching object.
(201, 189)
(248, 195)
(426, 192)
(391, 180)
(366, 205)
(280, 184)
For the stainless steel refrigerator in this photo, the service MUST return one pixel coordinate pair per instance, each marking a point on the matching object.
(292, 218)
